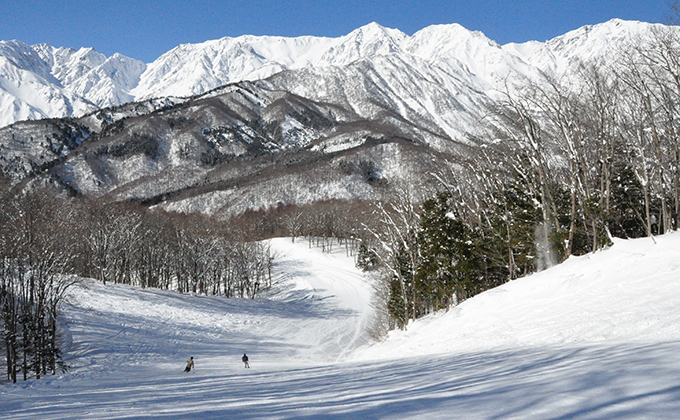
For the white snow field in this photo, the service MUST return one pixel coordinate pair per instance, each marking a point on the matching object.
(597, 337)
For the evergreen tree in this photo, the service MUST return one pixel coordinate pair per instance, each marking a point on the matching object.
(449, 268)
(366, 259)
(402, 304)
(626, 219)
(514, 219)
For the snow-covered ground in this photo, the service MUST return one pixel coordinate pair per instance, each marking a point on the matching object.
(597, 337)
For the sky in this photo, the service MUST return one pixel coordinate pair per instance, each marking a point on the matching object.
(145, 29)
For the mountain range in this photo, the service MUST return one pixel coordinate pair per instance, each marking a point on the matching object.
(41, 81)
(252, 122)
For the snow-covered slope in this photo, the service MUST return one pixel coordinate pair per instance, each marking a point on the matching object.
(191, 69)
(42, 81)
(450, 47)
(597, 337)
(598, 44)
(406, 88)
(625, 294)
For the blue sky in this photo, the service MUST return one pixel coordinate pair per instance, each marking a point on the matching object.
(145, 29)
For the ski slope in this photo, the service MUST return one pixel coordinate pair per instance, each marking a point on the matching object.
(597, 337)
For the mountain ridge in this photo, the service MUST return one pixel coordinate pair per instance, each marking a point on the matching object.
(42, 81)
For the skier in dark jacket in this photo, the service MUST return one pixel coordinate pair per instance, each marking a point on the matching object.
(244, 359)
(190, 364)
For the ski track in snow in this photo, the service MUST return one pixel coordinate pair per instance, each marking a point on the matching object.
(597, 337)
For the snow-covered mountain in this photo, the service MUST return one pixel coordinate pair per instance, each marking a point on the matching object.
(41, 81)
(374, 98)
(593, 43)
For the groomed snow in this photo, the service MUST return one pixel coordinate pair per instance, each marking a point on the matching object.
(597, 337)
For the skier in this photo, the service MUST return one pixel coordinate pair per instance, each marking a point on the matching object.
(190, 364)
(245, 361)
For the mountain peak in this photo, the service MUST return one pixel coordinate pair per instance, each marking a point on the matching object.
(375, 31)
(451, 32)
(368, 40)
(370, 26)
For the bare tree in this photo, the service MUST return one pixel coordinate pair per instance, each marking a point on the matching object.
(396, 246)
